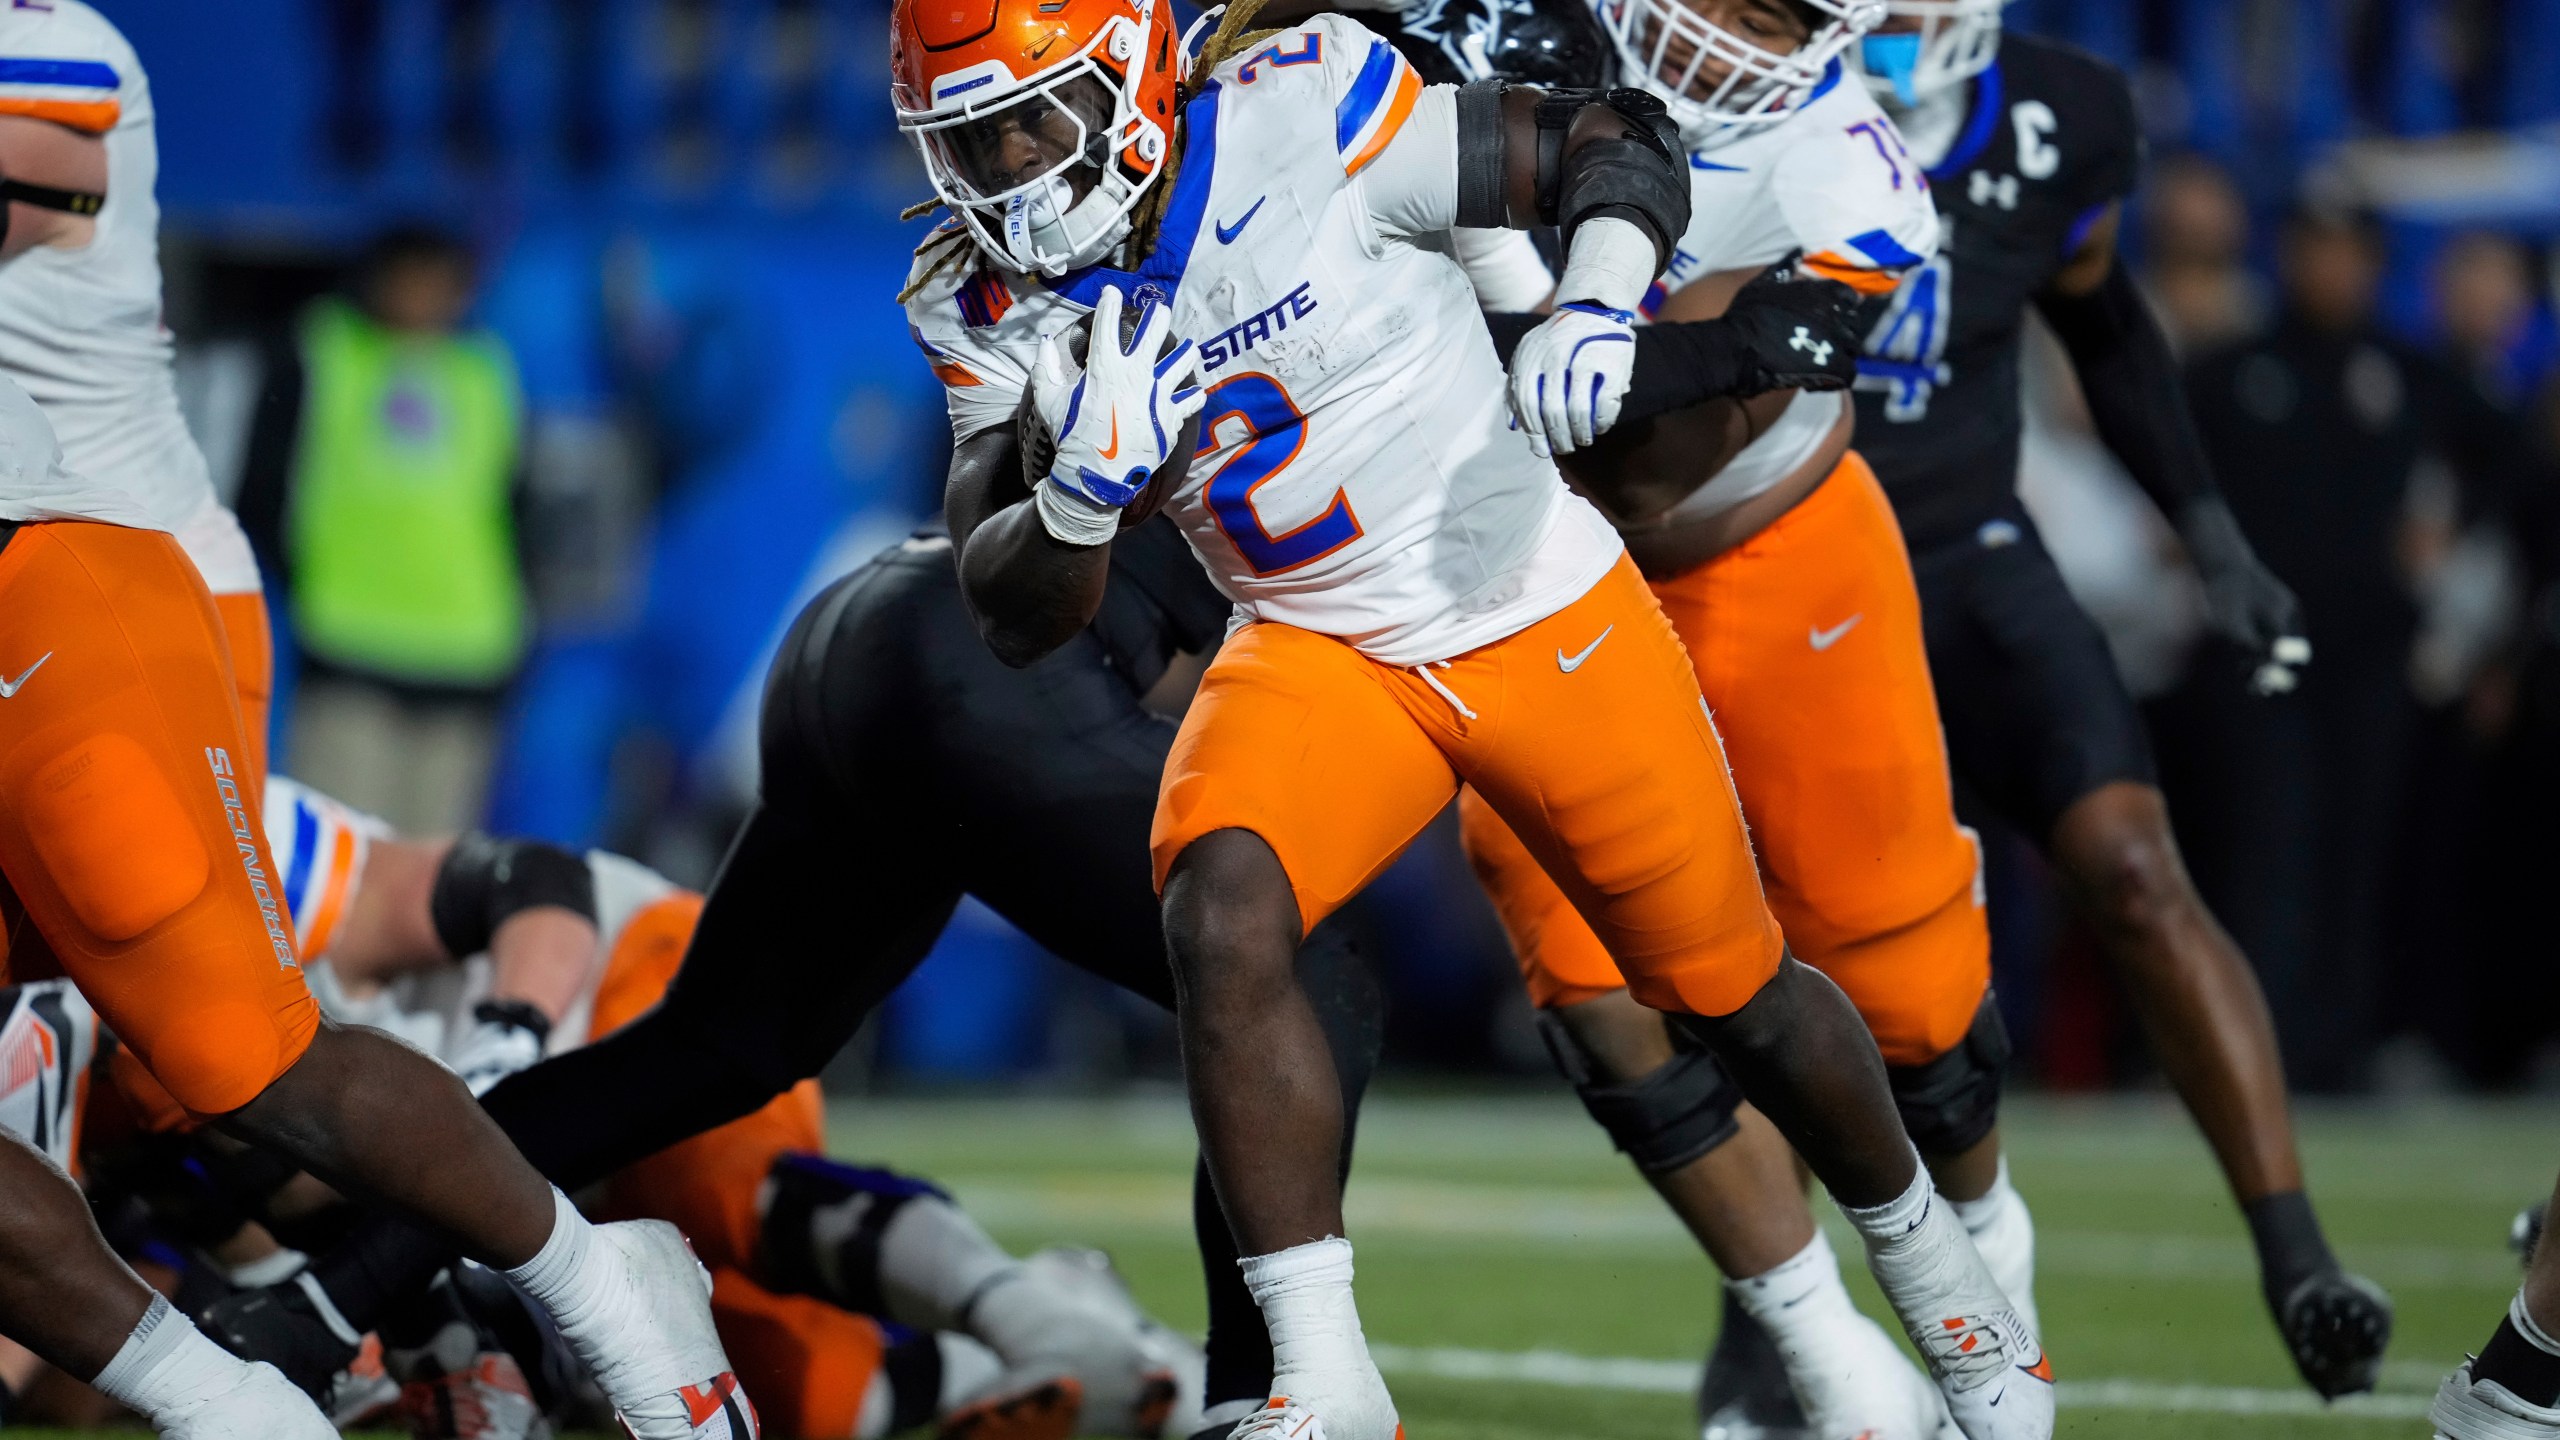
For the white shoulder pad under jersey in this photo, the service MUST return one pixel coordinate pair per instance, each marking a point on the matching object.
(36, 485)
(81, 329)
(319, 845)
(1834, 182)
(1357, 473)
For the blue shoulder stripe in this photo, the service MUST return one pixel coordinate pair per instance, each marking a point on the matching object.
(1977, 130)
(1882, 248)
(92, 74)
(1369, 91)
(306, 839)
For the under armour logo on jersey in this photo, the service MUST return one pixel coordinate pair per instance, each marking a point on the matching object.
(1990, 189)
(9, 688)
(1820, 350)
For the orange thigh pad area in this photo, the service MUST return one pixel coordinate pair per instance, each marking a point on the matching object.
(1307, 743)
(113, 837)
(1808, 644)
(808, 1364)
(126, 834)
(1593, 748)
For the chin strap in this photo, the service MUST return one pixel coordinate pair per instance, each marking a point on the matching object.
(47, 197)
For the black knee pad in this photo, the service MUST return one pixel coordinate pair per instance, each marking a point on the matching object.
(1665, 1120)
(1950, 1103)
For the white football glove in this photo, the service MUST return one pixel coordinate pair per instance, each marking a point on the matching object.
(504, 1037)
(1570, 375)
(1116, 422)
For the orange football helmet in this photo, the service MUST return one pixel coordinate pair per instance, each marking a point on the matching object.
(1042, 122)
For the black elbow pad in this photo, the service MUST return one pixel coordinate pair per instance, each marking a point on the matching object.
(485, 881)
(1640, 174)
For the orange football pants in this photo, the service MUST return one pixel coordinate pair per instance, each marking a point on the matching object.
(808, 1363)
(129, 834)
(1584, 731)
(1806, 639)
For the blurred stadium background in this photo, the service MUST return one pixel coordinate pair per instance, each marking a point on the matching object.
(686, 216)
(686, 212)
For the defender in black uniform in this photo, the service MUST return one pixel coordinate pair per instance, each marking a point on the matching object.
(904, 766)
(2035, 146)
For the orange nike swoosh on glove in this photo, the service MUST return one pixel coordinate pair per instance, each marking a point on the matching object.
(1112, 450)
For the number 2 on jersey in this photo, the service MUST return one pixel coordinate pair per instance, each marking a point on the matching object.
(1276, 433)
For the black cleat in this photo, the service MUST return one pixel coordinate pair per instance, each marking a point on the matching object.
(281, 1325)
(2337, 1325)
(1744, 1394)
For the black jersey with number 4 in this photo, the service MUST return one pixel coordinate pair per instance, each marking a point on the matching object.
(2049, 139)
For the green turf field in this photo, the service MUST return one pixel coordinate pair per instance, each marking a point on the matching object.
(1522, 1285)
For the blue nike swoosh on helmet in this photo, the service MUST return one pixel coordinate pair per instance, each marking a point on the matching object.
(1227, 233)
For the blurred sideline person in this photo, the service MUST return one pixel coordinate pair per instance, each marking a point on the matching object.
(381, 472)
(2030, 149)
(1384, 659)
(903, 767)
(1776, 556)
(2359, 458)
(80, 308)
(130, 861)
(488, 952)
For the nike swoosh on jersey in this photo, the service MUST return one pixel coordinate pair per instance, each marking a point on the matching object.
(1825, 639)
(1227, 233)
(1569, 666)
(9, 688)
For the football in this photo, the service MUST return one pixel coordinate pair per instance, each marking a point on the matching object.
(1040, 447)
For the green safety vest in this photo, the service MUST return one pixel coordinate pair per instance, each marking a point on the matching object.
(404, 549)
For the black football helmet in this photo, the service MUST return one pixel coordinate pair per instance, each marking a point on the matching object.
(1553, 44)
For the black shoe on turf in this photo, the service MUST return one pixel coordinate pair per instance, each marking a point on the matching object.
(2337, 1326)
(280, 1325)
(1744, 1394)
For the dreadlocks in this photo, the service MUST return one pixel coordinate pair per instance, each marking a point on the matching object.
(951, 246)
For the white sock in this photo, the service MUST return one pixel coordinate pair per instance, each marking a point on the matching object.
(935, 1261)
(2530, 1328)
(2005, 1235)
(572, 1274)
(1800, 1301)
(167, 1366)
(1919, 1252)
(1305, 1295)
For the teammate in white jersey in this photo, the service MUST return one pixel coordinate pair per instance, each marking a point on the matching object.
(80, 305)
(1421, 602)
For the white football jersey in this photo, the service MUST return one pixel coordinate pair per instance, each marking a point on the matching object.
(81, 329)
(1832, 180)
(1357, 474)
(320, 845)
(35, 485)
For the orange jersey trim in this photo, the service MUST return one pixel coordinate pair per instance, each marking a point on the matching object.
(954, 374)
(333, 900)
(1399, 109)
(1865, 279)
(95, 116)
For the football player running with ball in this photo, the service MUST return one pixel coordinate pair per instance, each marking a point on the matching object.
(1423, 602)
(2031, 148)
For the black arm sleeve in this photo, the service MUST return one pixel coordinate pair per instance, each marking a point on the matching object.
(1677, 365)
(2131, 380)
(484, 881)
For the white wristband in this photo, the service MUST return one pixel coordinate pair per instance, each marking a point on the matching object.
(1612, 263)
(1072, 519)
